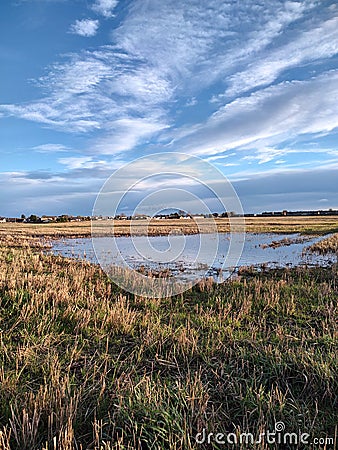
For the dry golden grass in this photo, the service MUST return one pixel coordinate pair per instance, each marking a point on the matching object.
(300, 224)
(328, 245)
(286, 224)
(85, 365)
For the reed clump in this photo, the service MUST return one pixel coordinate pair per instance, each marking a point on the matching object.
(85, 365)
(325, 246)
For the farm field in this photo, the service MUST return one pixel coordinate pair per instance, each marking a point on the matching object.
(85, 365)
(316, 225)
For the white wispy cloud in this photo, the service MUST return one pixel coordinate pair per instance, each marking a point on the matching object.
(99, 90)
(188, 34)
(161, 50)
(307, 156)
(105, 7)
(83, 162)
(164, 53)
(50, 148)
(85, 27)
(313, 45)
(126, 133)
(57, 113)
(260, 25)
(268, 117)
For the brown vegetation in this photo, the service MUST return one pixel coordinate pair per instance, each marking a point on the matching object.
(314, 225)
(85, 365)
(328, 245)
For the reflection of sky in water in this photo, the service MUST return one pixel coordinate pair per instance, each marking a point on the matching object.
(190, 256)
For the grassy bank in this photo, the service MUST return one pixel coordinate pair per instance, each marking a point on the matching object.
(305, 225)
(86, 366)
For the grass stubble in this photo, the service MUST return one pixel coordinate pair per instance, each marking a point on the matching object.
(85, 365)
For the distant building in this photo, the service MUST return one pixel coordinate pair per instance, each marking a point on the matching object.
(140, 217)
(48, 219)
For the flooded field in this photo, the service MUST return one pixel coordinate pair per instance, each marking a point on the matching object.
(190, 257)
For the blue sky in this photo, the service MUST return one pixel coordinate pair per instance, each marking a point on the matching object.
(89, 85)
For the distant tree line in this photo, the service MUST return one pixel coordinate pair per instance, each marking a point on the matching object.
(34, 218)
